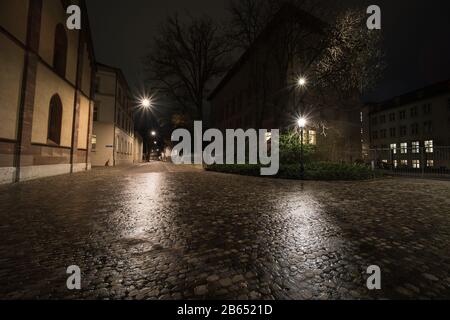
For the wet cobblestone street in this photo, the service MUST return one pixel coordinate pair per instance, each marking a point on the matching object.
(163, 232)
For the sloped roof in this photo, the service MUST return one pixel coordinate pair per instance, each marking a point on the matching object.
(287, 10)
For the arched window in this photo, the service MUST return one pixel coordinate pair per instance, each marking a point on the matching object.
(60, 51)
(55, 120)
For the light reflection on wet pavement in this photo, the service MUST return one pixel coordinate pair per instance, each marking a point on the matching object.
(163, 232)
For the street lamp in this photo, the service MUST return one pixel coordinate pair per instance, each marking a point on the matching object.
(302, 124)
(146, 103)
(153, 133)
(302, 82)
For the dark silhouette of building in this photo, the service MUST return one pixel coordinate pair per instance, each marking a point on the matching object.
(260, 91)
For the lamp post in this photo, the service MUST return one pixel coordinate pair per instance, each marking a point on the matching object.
(302, 124)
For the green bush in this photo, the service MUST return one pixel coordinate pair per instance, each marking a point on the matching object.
(290, 149)
(326, 171)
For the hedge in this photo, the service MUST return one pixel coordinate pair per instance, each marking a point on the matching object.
(326, 171)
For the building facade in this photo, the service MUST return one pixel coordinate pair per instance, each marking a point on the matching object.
(260, 92)
(46, 101)
(113, 141)
(412, 130)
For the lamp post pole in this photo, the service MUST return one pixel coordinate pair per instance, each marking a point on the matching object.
(302, 165)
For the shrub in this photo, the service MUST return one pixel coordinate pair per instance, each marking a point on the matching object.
(290, 149)
(326, 171)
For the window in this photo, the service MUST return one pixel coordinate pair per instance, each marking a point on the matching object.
(55, 120)
(404, 148)
(383, 119)
(395, 163)
(429, 147)
(430, 163)
(60, 51)
(403, 131)
(404, 163)
(415, 147)
(415, 129)
(375, 135)
(414, 112)
(394, 148)
(96, 106)
(392, 117)
(383, 133)
(426, 108)
(94, 143)
(402, 115)
(392, 132)
(312, 137)
(374, 121)
(428, 127)
(97, 84)
(416, 164)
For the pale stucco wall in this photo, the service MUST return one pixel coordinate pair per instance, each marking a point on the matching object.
(16, 23)
(124, 148)
(11, 68)
(52, 14)
(48, 84)
(83, 123)
(103, 153)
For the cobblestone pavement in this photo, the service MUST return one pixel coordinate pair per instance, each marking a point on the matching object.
(163, 232)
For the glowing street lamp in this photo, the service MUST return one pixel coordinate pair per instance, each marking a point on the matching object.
(146, 103)
(153, 133)
(302, 122)
(302, 81)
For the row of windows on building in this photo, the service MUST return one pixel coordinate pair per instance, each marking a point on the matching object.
(415, 164)
(426, 109)
(121, 97)
(402, 115)
(414, 147)
(427, 128)
(124, 122)
(123, 146)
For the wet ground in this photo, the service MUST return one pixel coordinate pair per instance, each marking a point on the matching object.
(163, 232)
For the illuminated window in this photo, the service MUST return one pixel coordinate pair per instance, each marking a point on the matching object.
(395, 163)
(404, 163)
(429, 148)
(404, 148)
(430, 163)
(416, 164)
(312, 137)
(415, 147)
(394, 148)
(94, 142)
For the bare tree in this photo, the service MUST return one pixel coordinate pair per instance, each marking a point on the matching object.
(249, 17)
(336, 52)
(184, 58)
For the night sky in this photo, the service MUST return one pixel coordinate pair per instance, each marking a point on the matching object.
(417, 37)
